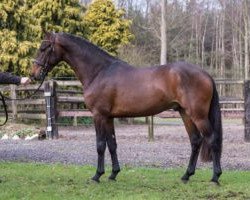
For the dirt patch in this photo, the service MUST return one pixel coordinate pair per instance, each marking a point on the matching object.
(171, 147)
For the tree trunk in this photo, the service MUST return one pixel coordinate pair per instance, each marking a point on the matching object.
(216, 44)
(246, 40)
(222, 63)
(196, 41)
(163, 33)
(203, 43)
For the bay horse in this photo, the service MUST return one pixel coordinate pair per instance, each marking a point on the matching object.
(113, 88)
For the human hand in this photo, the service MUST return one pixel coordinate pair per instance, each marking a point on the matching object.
(25, 80)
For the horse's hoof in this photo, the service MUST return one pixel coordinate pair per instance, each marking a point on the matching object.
(96, 180)
(215, 182)
(92, 181)
(184, 180)
(112, 179)
(113, 175)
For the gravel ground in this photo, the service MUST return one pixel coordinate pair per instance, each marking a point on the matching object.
(171, 147)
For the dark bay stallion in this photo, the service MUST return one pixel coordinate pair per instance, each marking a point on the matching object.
(113, 88)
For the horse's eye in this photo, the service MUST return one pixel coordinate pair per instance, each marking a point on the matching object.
(44, 47)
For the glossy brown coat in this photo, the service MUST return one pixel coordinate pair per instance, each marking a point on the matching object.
(113, 88)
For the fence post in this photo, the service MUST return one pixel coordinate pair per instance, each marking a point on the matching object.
(51, 109)
(247, 109)
(13, 102)
(150, 120)
(73, 106)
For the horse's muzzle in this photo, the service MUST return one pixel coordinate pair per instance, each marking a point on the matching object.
(32, 78)
(36, 78)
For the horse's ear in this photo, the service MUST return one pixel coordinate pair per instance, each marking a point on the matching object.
(45, 33)
(43, 30)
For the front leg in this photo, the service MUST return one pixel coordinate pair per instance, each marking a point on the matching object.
(100, 146)
(112, 146)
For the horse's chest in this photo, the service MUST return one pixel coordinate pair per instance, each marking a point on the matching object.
(96, 101)
(89, 100)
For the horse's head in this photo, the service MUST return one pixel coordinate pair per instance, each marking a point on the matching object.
(48, 56)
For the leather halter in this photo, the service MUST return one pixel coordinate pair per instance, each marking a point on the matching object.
(45, 63)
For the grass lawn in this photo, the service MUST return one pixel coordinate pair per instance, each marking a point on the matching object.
(49, 181)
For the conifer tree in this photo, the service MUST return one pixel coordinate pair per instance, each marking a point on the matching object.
(16, 42)
(107, 26)
(21, 25)
(59, 16)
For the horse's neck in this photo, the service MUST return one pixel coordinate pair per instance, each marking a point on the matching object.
(85, 68)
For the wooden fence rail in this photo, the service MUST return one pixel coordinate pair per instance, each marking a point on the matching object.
(70, 102)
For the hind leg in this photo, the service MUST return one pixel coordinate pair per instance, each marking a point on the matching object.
(195, 140)
(216, 156)
(212, 145)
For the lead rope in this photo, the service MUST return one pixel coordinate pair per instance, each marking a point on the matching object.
(5, 110)
(8, 98)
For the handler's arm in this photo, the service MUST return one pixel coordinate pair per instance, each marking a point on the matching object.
(7, 78)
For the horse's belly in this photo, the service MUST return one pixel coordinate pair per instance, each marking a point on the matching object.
(144, 105)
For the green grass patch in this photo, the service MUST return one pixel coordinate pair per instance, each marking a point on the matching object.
(56, 181)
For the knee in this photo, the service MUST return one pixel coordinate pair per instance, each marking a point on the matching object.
(101, 146)
(111, 141)
(112, 147)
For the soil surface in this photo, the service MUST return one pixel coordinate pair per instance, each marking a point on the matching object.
(171, 147)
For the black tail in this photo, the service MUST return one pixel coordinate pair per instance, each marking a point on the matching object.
(215, 120)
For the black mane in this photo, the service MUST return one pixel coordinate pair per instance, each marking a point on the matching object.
(86, 45)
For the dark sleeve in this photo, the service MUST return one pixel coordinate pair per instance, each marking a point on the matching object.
(7, 78)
